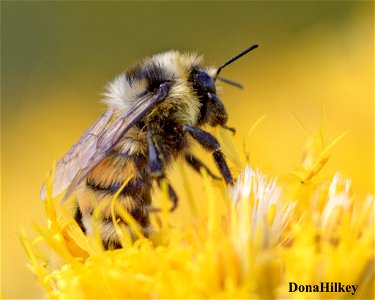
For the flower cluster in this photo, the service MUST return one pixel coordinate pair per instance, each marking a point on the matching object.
(267, 236)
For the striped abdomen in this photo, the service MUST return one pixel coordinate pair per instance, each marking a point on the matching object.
(126, 160)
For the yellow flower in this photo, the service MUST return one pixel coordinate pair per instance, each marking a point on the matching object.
(263, 241)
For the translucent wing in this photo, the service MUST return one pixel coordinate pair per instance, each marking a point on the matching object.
(97, 142)
(78, 156)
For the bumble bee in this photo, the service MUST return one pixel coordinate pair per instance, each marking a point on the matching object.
(155, 111)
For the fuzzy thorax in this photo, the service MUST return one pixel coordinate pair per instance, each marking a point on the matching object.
(182, 102)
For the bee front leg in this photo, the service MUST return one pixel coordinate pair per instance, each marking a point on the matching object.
(210, 143)
(157, 169)
(197, 164)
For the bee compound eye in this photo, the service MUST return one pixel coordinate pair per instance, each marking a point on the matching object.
(203, 83)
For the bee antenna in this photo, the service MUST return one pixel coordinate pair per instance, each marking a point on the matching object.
(231, 82)
(234, 58)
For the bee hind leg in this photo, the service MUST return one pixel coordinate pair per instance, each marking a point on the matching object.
(78, 219)
(111, 245)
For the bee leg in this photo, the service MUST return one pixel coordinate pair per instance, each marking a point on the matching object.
(231, 129)
(78, 219)
(172, 195)
(155, 162)
(197, 164)
(111, 245)
(210, 143)
(157, 168)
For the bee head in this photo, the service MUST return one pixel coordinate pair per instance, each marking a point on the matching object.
(212, 109)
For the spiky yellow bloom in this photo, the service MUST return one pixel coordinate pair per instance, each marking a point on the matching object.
(261, 246)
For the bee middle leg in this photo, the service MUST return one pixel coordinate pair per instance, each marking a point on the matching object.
(210, 143)
(157, 169)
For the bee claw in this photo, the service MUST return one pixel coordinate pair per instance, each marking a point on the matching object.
(232, 129)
